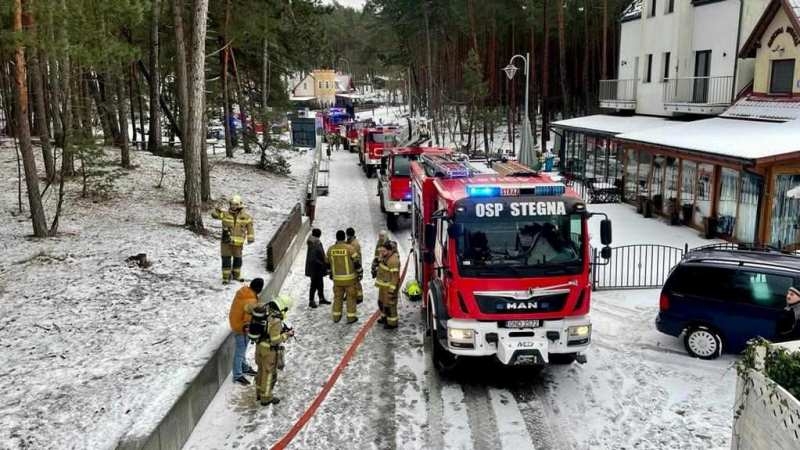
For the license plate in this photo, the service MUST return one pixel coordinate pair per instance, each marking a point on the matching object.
(527, 360)
(523, 323)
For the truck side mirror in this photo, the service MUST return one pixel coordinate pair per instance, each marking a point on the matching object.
(430, 236)
(605, 232)
(427, 256)
(605, 253)
(455, 230)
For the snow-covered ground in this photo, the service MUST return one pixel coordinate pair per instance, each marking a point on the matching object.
(638, 390)
(92, 347)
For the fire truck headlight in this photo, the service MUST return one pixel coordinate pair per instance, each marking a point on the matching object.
(580, 331)
(461, 335)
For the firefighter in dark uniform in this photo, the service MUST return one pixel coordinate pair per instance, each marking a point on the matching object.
(237, 227)
(351, 239)
(269, 348)
(345, 271)
(387, 282)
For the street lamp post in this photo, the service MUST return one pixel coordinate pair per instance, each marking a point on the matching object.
(510, 71)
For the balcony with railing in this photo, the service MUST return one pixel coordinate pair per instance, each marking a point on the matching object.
(618, 94)
(698, 95)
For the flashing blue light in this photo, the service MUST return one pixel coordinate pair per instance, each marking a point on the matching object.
(407, 196)
(550, 190)
(483, 191)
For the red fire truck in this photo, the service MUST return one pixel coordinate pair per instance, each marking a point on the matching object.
(504, 256)
(372, 143)
(394, 180)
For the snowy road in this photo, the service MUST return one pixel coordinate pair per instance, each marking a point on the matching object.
(638, 390)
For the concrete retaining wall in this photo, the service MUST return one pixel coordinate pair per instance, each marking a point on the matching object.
(175, 428)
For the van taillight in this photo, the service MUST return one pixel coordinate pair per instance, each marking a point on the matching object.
(663, 302)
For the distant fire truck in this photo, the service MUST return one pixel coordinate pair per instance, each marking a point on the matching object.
(372, 143)
(394, 181)
(504, 260)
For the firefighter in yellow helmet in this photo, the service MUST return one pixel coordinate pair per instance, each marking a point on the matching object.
(387, 281)
(351, 239)
(269, 348)
(382, 237)
(344, 265)
(237, 228)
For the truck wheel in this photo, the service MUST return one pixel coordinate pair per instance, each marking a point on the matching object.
(562, 358)
(391, 222)
(703, 342)
(444, 361)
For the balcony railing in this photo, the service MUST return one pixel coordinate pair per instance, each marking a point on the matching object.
(698, 91)
(618, 90)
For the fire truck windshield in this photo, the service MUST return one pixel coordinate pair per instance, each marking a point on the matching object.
(402, 165)
(388, 140)
(524, 246)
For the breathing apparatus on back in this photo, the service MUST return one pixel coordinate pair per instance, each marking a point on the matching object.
(278, 307)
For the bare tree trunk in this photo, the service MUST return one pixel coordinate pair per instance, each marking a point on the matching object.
(123, 121)
(24, 131)
(226, 100)
(140, 107)
(131, 70)
(154, 141)
(532, 107)
(545, 76)
(264, 74)
(241, 100)
(41, 114)
(180, 62)
(586, 83)
(205, 169)
(431, 113)
(194, 120)
(604, 64)
(562, 59)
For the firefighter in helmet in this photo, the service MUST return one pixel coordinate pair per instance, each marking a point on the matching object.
(387, 282)
(351, 239)
(382, 236)
(237, 228)
(269, 348)
(344, 265)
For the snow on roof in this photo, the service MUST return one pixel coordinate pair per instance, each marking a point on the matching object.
(301, 99)
(353, 96)
(633, 11)
(607, 124)
(764, 109)
(734, 138)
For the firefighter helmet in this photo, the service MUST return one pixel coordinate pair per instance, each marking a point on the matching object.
(413, 291)
(283, 302)
(236, 202)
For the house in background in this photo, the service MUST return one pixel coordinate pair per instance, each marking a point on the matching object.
(731, 175)
(320, 87)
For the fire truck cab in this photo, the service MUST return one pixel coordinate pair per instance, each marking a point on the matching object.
(504, 254)
(373, 141)
(394, 180)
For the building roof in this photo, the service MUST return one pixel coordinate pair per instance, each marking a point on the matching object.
(746, 140)
(758, 108)
(301, 99)
(633, 11)
(792, 9)
(302, 79)
(611, 125)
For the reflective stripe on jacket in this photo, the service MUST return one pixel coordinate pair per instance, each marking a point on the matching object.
(238, 224)
(388, 273)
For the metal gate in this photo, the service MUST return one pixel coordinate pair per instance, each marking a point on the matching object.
(641, 266)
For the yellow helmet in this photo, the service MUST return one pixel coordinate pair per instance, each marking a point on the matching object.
(236, 201)
(283, 302)
(413, 289)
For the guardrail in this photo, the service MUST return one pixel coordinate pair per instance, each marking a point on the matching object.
(698, 90)
(618, 90)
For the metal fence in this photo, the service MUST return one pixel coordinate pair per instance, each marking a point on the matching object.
(618, 90)
(641, 266)
(699, 90)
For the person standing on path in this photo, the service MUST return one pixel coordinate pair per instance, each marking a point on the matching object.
(269, 349)
(351, 239)
(345, 269)
(237, 228)
(239, 318)
(316, 267)
(387, 282)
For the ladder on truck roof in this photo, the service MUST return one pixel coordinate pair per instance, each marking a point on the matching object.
(512, 169)
(441, 167)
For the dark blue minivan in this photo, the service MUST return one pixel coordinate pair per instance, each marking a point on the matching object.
(719, 299)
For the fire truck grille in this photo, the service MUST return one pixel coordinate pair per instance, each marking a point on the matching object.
(498, 304)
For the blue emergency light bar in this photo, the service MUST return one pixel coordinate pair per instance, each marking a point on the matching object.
(545, 190)
(483, 191)
(551, 190)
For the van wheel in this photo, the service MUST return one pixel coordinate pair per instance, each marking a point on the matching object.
(562, 358)
(703, 342)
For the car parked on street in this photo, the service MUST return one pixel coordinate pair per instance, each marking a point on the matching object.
(719, 299)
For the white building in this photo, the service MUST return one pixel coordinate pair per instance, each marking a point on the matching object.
(680, 56)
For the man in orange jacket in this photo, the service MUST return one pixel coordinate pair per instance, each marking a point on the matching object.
(239, 318)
